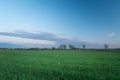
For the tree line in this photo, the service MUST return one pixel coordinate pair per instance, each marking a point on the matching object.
(61, 47)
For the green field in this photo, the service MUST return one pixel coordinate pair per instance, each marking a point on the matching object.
(59, 65)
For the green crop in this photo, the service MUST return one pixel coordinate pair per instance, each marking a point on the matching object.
(59, 65)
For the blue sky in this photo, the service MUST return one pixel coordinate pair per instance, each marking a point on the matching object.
(53, 22)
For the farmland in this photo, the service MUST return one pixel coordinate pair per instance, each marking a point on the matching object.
(59, 65)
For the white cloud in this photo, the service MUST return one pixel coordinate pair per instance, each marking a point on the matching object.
(24, 41)
(46, 39)
(111, 34)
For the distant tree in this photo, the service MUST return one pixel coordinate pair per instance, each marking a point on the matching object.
(32, 48)
(62, 46)
(72, 47)
(83, 46)
(106, 46)
(53, 48)
(45, 48)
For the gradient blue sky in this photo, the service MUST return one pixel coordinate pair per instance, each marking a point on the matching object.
(90, 21)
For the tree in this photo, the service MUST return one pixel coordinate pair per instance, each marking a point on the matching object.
(106, 46)
(63, 46)
(53, 48)
(72, 47)
(83, 46)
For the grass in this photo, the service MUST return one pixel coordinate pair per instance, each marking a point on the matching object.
(59, 65)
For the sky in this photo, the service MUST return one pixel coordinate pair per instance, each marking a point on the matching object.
(47, 23)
